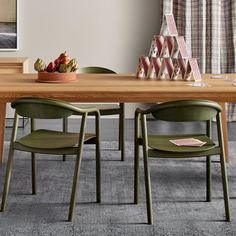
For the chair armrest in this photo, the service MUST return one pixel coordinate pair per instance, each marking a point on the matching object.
(93, 110)
(147, 111)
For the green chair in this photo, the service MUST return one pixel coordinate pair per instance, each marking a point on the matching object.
(52, 142)
(106, 110)
(159, 146)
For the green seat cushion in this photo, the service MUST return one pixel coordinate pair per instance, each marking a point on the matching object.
(162, 143)
(49, 139)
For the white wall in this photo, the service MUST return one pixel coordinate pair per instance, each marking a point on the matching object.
(110, 33)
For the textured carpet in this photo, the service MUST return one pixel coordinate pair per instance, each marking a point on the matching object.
(178, 197)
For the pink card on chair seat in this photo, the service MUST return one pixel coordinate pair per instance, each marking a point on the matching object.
(191, 142)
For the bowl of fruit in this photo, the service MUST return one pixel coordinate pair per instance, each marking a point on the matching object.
(61, 70)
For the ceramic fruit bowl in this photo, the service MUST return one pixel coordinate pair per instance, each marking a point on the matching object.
(56, 77)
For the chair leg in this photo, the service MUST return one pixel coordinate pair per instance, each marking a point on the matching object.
(208, 163)
(77, 168)
(65, 129)
(136, 158)
(136, 173)
(208, 177)
(148, 190)
(146, 171)
(122, 132)
(98, 160)
(7, 179)
(33, 169)
(74, 187)
(225, 187)
(120, 135)
(223, 167)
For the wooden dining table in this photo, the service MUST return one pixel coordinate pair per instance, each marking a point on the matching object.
(114, 88)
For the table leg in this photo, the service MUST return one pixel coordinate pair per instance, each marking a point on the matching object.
(225, 131)
(2, 129)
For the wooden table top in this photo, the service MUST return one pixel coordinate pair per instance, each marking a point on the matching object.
(115, 88)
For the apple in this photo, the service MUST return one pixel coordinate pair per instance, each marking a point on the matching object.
(51, 67)
(57, 61)
(65, 60)
(62, 55)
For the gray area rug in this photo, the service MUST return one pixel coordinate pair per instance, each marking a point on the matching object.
(178, 197)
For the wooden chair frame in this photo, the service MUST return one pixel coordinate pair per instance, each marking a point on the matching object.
(27, 107)
(141, 139)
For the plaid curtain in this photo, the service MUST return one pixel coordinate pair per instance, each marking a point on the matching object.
(209, 28)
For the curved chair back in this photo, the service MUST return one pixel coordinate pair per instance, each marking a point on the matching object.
(42, 108)
(186, 110)
(95, 70)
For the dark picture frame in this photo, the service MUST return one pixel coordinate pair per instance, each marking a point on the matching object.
(9, 25)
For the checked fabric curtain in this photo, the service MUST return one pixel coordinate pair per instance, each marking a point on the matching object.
(209, 28)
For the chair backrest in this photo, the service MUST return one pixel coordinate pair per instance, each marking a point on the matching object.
(186, 110)
(95, 70)
(42, 108)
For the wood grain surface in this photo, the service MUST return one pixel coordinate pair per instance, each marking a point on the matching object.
(114, 88)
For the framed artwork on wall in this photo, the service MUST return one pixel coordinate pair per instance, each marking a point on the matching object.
(9, 25)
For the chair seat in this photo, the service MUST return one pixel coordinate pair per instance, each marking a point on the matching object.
(43, 139)
(162, 143)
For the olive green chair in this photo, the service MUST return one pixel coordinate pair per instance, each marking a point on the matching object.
(106, 110)
(52, 142)
(159, 146)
